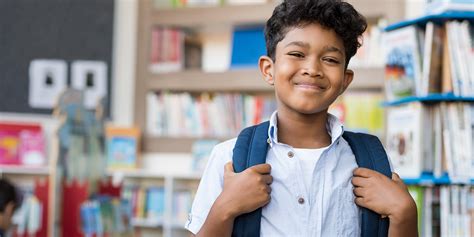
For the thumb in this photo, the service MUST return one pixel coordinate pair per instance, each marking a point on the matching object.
(395, 177)
(228, 168)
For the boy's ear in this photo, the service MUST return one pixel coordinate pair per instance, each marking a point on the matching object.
(265, 64)
(348, 76)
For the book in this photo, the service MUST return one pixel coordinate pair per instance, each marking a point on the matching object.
(433, 49)
(22, 144)
(167, 50)
(155, 203)
(403, 62)
(404, 139)
(122, 147)
(248, 44)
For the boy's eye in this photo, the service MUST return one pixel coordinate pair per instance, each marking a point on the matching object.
(331, 60)
(296, 54)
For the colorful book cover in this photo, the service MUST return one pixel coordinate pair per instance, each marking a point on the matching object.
(122, 147)
(14, 145)
(403, 63)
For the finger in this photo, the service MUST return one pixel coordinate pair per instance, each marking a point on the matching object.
(268, 179)
(396, 177)
(360, 201)
(269, 189)
(261, 168)
(359, 181)
(359, 192)
(228, 168)
(363, 172)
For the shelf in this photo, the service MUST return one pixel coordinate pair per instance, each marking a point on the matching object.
(176, 224)
(233, 80)
(249, 80)
(141, 173)
(432, 98)
(24, 170)
(213, 15)
(437, 18)
(428, 179)
(169, 144)
(256, 13)
(138, 173)
(147, 223)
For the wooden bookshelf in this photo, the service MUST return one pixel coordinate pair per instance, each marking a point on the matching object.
(248, 80)
(245, 80)
(258, 13)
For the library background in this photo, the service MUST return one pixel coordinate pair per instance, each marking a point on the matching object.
(109, 109)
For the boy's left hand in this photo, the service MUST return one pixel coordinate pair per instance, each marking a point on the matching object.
(387, 197)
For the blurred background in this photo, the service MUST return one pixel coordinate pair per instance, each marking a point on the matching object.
(109, 108)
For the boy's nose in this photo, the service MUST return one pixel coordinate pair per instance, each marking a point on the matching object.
(312, 69)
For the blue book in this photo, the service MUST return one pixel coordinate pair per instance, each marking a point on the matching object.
(248, 45)
(155, 202)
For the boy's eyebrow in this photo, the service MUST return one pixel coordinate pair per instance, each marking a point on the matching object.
(333, 49)
(302, 44)
(297, 43)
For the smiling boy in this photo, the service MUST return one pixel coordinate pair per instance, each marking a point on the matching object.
(310, 184)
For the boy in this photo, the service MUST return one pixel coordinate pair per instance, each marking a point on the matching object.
(310, 184)
(8, 204)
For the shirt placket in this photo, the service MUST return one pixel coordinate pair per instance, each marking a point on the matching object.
(301, 197)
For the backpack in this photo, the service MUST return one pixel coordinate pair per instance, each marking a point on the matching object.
(251, 149)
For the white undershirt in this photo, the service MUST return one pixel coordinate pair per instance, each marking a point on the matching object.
(308, 159)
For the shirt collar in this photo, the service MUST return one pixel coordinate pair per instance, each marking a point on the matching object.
(334, 127)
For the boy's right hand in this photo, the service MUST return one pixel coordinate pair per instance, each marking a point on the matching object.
(246, 191)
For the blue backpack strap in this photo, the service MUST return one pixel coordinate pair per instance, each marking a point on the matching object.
(369, 153)
(250, 149)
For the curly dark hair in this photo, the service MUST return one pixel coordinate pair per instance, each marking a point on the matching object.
(332, 14)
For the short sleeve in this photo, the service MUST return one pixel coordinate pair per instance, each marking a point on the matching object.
(210, 186)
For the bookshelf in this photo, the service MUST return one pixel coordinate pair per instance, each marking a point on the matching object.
(436, 159)
(42, 180)
(216, 18)
(171, 223)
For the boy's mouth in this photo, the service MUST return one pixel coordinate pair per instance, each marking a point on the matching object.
(311, 86)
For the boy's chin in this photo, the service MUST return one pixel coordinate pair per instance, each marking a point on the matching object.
(310, 110)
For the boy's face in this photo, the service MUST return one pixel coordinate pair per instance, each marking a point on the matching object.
(309, 69)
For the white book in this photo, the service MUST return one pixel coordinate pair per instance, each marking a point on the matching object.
(427, 214)
(216, 51)
(438, 142)
(404, 139)
(152, 114)
(445, 213)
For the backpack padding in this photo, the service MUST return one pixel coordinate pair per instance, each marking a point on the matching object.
(250, 149)
(369, 153)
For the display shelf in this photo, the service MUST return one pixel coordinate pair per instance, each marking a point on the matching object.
(427, 178)
(432, 98)
(437, 18)
(24, 170)
(147, 223)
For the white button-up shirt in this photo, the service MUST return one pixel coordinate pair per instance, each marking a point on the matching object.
(326, 208)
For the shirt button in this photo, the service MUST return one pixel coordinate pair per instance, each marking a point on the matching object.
(301, 200)
(291, 154)
(269, 141)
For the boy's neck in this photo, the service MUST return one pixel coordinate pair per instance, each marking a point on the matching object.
(303, 131)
